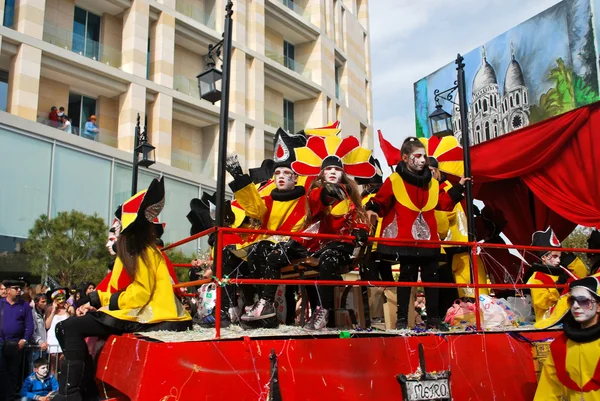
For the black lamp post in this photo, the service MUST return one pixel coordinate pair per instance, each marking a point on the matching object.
(143, 148)
(441, 125)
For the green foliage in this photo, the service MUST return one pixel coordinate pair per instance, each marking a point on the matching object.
(561, 98)
(69, 247)
(584, 94)
(419, 128)
(177, 256)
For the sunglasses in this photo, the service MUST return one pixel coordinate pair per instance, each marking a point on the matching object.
(15, 288)
(585, 303)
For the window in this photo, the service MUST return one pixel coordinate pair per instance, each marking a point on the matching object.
(487, 130)
(517, 99)
(485, 105)
(524, 97)
(288, 116)
(9, 13)
(86, 33)
(289, 4)
(3, 89)
(288, 55)
(80, 109)
(337, 75)
(148, 61)
(511, 102)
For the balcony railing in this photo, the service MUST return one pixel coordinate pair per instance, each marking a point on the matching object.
(186, 85)
(195, 12)
(67, 39)
(275, 120)
(289, 63)
(105, 137)
(296, 8)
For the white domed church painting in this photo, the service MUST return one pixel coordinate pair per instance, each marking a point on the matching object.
(541, 68)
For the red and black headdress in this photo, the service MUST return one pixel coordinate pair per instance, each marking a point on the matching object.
(545, 239)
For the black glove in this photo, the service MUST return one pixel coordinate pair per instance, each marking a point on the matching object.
(562, 279)
(332, 191)
(361, 237)
(232, 165)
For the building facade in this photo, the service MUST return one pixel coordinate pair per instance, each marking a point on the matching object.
(295, 64)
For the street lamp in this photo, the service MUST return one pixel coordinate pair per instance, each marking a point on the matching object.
(207, 84)
(140, 147)
(442, 121)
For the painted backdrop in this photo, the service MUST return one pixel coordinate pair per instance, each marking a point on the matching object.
(543, 67)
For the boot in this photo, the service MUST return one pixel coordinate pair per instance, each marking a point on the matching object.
(437, 324)
(401, 324)
(70, 379)
(318, 320)
(209, 321)
(90, 390)
(263, 309)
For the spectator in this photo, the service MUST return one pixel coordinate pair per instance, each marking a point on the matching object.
(61, 111)
(65, 124)
(41, 384)
(40, 336)
(16, 329)
(57, 312)
(2, 290)
(91, 129)
(53, 117)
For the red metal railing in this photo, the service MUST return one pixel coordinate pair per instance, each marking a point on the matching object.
(218, 268)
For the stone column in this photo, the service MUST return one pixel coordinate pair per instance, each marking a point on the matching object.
(131, 102)
(236, 141)
(135, 38)
(162, 50)
(29, 17)
(24, 82)
(160, 127)
(255, 28)
(237, 90)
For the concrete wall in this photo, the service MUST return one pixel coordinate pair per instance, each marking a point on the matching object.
(52, 93)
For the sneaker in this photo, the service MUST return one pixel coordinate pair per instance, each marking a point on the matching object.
(235, 314)
(437, 324)
(401, 324)
(318, 319)
(208, 322)
(263, 309)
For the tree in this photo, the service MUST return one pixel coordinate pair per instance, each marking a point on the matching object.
(578, 239)
(70, 247)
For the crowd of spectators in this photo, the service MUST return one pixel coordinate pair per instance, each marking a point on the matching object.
(29, 350)
(57, 118)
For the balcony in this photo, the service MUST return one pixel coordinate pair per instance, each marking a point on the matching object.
(278, 121)
(104, 136)
(196, 12)
(76, 43)
(186, 85)
(296, 8)
(291, 21)
(289, 63)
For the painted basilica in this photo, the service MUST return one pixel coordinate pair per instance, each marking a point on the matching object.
(492, 113)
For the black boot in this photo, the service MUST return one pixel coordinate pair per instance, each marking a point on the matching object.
(90, 390)
(70, 380)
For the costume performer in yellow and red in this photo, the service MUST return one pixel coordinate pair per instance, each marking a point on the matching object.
(572, 370)
(147, 303)
(334, 207)
(406, 202)
(282, 209)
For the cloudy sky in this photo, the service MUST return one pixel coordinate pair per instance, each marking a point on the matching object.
(412, 38)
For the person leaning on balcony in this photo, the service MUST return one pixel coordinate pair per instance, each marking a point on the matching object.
(65, 124)
(53, 117)
(91, 129)
(572, 370)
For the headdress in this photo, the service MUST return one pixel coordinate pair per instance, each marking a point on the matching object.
(145, 205)
(345, 153)
(329, 130)
(590, 283)
(283, 154)
(444, 153)
(376, 179)
(545, 239)
(594, 240)
(263, 173)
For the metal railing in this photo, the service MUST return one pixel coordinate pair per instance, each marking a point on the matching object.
(275, 120)
(473, 246)
(195, 12)
(69, 40)
(289, 63)
(186, 85)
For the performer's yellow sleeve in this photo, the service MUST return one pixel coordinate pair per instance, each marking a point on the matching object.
(138, 293)
(543, 299)
(549, 387)
(251, 201)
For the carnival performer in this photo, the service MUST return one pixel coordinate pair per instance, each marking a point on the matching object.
(147, 303)
(283, 210)
(406, 202)
(334, 207)
(572, 370)
(547, 272)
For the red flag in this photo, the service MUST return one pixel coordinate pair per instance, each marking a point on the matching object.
(391, 153)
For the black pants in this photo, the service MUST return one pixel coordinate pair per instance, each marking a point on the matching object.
(378, 269)
(409, 271)
(71, 335)
(11, 374)
(234, 267)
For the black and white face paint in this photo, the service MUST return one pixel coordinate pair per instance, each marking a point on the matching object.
(42, 371)
(583, 305)
(113, 234)
(333, 174)
(285, 178)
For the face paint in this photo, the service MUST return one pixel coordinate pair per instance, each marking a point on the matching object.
(285, 179)
(551, 259)
(417, 160)
(42, 371)
(583, 305)
(113, 234)
(333, 174)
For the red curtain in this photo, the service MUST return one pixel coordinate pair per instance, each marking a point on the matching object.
(545, 174)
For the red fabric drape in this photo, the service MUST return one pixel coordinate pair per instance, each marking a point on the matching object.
(544, 174)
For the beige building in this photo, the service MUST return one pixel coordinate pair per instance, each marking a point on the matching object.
(295, 64)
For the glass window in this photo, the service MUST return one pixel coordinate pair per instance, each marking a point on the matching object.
(3, 89)
(122, 183)
(177, 206)
(80, 109)
(288, 116)
(9, 13)
(86, 33)
(81, 182)
(288, 55)
(24, 186)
